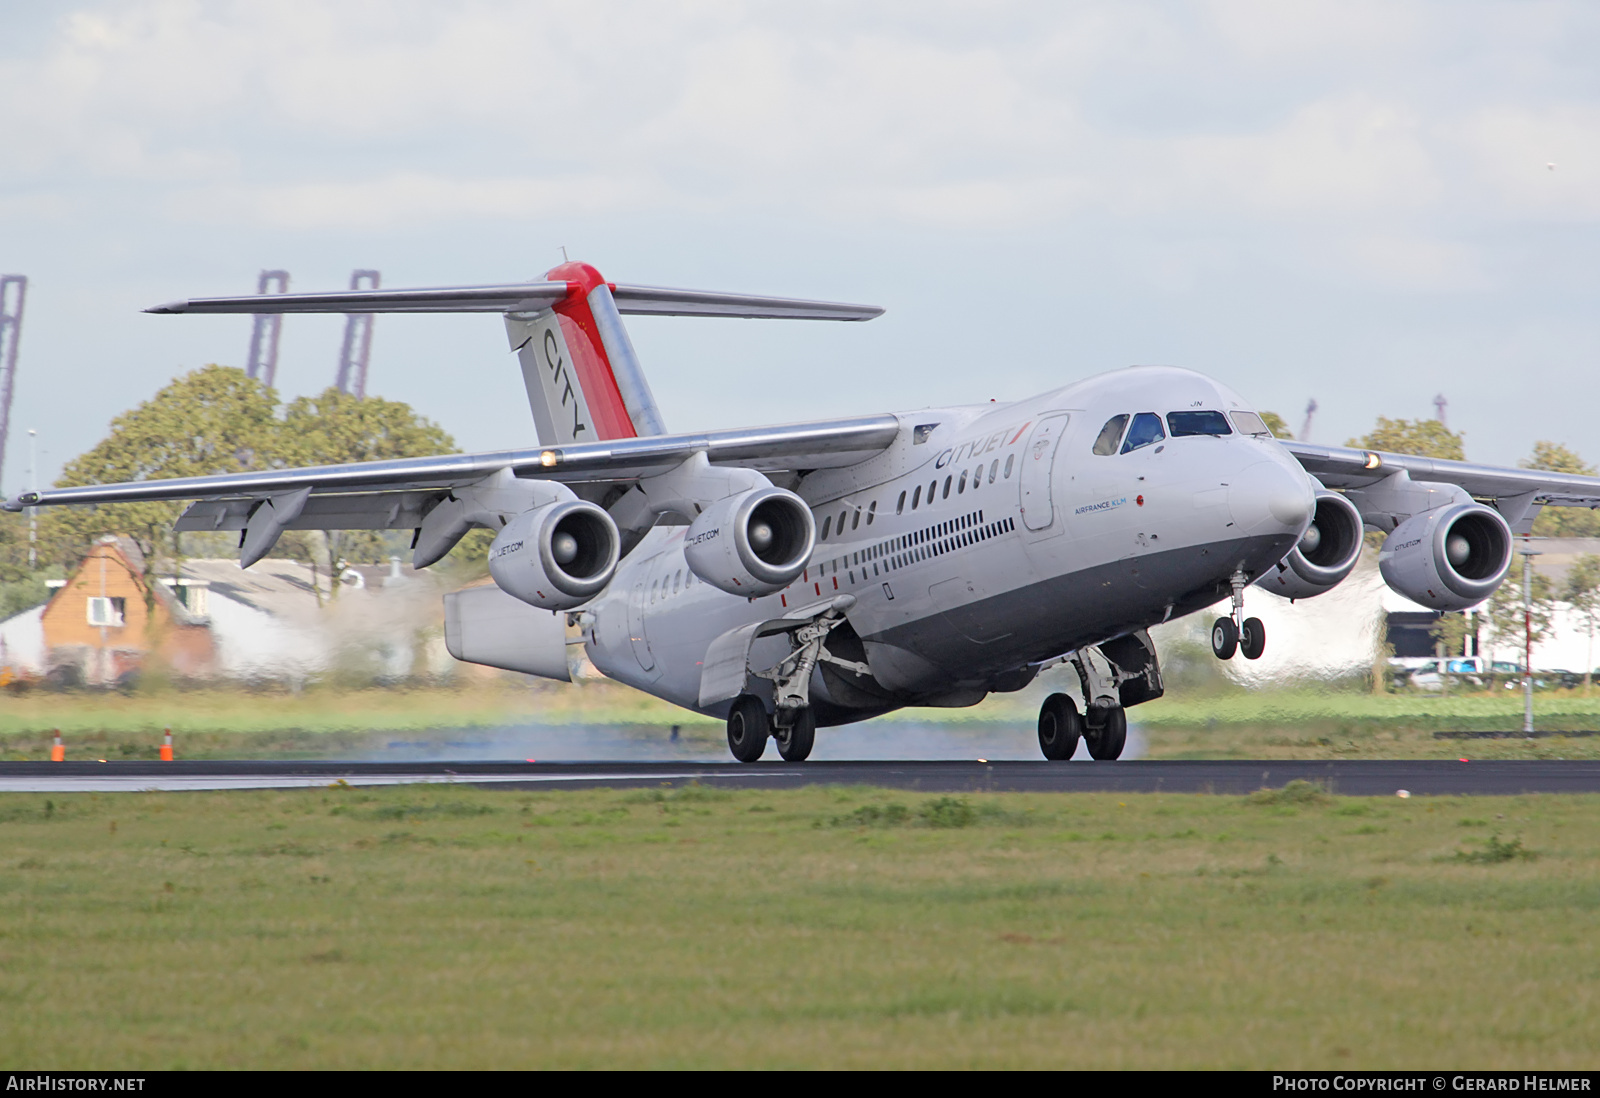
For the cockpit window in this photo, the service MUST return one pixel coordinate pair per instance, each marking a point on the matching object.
(1110, 435)
(1251, 424)
(1145, 430)
(1198, 423)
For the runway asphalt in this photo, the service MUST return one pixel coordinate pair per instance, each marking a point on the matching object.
(1350, 777)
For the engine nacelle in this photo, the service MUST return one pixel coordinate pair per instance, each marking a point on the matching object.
(753, 543)
(1449, 558)
(557, 556)
(1326, 553)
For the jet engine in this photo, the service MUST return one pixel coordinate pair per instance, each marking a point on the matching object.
(753, 543)
(1326, 553)
(1449, 558)
(557, 556)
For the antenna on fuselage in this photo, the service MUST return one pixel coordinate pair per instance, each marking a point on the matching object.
(1305, 428)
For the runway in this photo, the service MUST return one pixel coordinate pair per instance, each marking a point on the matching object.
(1349, 777)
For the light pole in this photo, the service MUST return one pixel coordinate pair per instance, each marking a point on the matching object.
(33, 486)
(1528, 553)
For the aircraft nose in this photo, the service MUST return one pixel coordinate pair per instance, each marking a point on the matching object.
(1267, 497)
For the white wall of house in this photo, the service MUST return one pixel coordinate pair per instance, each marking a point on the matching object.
(22, 642)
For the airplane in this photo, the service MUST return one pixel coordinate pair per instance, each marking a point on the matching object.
(807, 575)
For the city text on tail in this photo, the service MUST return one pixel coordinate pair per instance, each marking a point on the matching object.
(813, 574)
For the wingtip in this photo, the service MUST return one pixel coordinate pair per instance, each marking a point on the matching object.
(170, 307)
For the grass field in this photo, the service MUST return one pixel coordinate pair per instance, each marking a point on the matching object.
(454, 927)
(1295, 722)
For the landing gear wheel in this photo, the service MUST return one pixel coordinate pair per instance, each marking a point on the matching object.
(1059, 727)
(747, 729)
(1253, 639)
(1107, 739)
(1224, 638)
(795, 742)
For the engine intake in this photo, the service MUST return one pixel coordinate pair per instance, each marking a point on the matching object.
(557, 556)
(1326, 553)
(1449, 558)
(753, 543)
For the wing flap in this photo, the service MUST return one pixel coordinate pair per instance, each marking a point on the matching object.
(350, 511)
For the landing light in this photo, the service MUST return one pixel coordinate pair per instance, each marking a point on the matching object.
(1373, 461)
(548, 458)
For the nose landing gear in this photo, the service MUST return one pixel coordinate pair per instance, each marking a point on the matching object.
(1237, 632)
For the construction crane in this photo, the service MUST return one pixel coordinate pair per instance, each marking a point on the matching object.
(13, 292)
(352, 376)
(264, 333)
(1305, 428)
(1439, 405)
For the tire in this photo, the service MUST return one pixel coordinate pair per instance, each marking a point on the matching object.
(1107, 741)
(747, 729)
(796, 741)
(1253, 639)
(1224, 638)
(1060, 728)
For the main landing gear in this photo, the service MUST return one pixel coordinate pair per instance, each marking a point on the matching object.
(1238, 633)
(749, 726)
(1103, 730)
(1103, 726)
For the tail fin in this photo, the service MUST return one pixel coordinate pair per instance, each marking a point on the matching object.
(583, 378)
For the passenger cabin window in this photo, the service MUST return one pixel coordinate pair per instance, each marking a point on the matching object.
(1110, 435)
(1197, 423)
(1145, 430)
(1251, 424)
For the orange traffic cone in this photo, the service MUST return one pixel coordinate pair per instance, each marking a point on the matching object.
(166, 748)
(58, 750)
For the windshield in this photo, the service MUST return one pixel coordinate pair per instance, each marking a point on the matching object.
(1251, 424)
(1198, 423)
(1110, 435)
(1145, 430)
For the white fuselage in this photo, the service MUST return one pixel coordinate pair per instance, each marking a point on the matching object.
(986, 540)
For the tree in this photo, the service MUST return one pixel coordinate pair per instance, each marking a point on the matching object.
(1582, 594)
(1506, 612)
(336, 427)
(1450, 633)
(1562, 522)
(1424, 437)
(1276, 425)
(217, 420)
(213, 420)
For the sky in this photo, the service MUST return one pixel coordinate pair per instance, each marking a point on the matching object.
(1363, 203)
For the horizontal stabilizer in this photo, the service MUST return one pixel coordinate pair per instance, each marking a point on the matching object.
(528, 297)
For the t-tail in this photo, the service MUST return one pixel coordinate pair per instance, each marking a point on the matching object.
(584, 381)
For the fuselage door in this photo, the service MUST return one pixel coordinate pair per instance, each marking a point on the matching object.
(637, 608)
(1037, 458)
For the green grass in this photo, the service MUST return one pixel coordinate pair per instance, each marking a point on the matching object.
(326, 721)
(454, 927)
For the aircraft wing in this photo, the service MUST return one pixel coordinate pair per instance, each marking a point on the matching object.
(1517, 493)
(397, 494)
